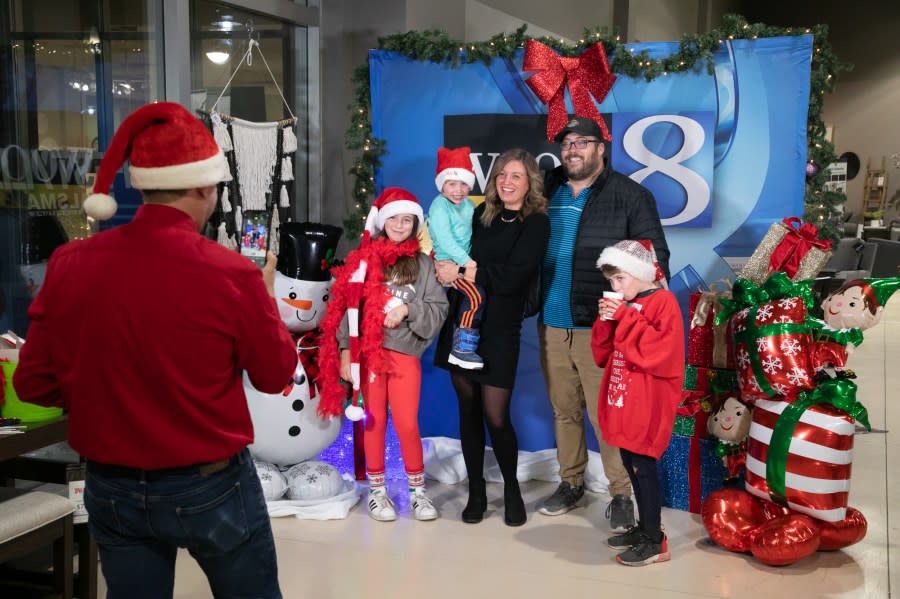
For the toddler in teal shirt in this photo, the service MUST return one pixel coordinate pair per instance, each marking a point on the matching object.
(450, 228)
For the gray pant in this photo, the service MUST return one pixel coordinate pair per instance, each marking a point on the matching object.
(573, 384)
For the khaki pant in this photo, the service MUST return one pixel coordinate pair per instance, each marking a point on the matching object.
(573, 384)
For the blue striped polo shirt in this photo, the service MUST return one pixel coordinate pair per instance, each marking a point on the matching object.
(565, 213)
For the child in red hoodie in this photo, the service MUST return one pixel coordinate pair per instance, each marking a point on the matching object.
(639, 340)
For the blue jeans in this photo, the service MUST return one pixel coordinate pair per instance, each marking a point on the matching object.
(140, 520)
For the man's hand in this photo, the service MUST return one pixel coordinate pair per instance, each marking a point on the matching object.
(269, 272)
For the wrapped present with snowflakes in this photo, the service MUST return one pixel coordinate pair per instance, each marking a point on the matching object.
(800, 454)
(772, 339)
(792, 247)
(708, 344)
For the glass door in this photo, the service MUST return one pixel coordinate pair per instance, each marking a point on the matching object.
(70, 72)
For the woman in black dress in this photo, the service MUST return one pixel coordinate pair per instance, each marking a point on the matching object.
(509, 237)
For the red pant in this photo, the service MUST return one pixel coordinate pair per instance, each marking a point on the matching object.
(399, 384)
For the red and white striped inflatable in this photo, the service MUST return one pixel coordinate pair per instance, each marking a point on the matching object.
(817, 477)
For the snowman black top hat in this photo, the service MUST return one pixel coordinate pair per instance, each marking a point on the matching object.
(307, 250)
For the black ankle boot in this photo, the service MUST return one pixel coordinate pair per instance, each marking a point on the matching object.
(477, 504)
(514, 505)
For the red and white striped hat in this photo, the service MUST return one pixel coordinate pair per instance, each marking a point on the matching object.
(635, 257)
(168, 148)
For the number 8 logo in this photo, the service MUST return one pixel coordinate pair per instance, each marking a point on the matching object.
(695, 187)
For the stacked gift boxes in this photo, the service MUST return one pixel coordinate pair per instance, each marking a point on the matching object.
(690, 468)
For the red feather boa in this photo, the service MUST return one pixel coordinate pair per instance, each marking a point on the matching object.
(377, 254)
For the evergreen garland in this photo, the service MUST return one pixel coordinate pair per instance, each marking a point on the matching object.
(822, 208)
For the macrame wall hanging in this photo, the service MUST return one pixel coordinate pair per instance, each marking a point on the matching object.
(256, 196)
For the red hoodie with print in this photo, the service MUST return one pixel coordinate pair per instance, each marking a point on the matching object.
(642, 351)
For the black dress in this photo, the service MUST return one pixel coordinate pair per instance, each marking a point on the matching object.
(508, 256)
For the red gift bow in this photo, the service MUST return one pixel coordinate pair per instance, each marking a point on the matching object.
(691, 402)
(796, 243)
(585, 75)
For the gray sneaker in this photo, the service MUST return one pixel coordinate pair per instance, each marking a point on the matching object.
(564, 499)
(633, 536)
(646, 552)
(620, 513)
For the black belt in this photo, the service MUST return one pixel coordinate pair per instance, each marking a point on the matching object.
(204, 469)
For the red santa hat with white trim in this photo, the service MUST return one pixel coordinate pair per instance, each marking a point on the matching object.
(391, 202)
(636, 258)
(168, 148)
(454, 165)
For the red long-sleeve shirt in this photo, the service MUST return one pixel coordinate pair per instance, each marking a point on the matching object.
(142, 332)
(642, 351)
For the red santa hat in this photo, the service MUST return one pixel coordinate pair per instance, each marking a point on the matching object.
(635, 257)
(168, 148)
(391, 202)
(454, 165)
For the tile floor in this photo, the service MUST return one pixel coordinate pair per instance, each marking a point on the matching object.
(566, 556)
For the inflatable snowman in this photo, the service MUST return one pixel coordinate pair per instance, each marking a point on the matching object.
(287, 429)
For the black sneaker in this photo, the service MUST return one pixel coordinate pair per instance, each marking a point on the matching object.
(564, 499)
(646, 552)
(627, 539)
(620, 513)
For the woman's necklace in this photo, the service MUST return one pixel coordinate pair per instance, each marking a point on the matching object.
(513, 219)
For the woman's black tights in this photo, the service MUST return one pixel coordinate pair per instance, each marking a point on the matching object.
(480, 405)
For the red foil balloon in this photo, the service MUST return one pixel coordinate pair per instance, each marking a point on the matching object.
(785, 540)
(837, 535)
(771, 361)
(773, 510)
(730, 517)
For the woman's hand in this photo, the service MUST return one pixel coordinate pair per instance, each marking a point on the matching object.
(471, 269)
(345, 366)
(446, 271)
(393, 318)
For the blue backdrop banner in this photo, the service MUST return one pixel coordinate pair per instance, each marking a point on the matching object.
(724, 155)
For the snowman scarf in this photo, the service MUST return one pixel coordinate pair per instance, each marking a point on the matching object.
(358, 283)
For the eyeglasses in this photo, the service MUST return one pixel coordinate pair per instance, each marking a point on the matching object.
(579, 144)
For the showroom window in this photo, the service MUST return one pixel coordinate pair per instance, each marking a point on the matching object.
(72, 70)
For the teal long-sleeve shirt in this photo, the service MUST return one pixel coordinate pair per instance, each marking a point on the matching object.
(450, 227)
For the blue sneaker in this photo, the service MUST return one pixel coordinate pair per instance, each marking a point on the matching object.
(465, 342)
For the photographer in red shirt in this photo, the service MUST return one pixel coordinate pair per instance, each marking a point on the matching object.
(142, 333)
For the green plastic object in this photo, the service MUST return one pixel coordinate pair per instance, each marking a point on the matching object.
(13, 407)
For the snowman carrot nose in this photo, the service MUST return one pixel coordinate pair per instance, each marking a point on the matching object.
(298, 304)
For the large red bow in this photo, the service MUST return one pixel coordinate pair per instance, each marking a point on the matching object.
(585, 75)
(799, 239)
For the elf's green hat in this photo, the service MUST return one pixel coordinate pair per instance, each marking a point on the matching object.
(877, 291)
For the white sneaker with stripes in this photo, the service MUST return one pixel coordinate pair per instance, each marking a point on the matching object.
(381, 507)
(421, 505)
